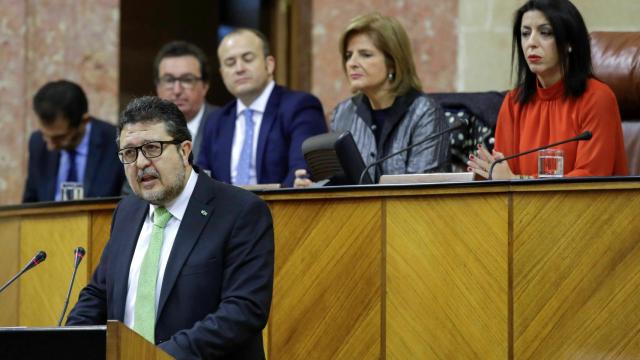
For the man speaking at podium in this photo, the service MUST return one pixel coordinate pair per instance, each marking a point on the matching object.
(189, 263)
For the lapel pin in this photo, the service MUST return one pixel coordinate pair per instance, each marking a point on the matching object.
(204, 213)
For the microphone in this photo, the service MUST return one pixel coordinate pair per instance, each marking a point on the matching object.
(37, 259)
(460, 124)
(78, 254)
(584, 136)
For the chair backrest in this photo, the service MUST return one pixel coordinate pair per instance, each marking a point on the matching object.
(616, 61)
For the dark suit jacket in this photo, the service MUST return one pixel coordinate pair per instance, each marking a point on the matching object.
(217, 285)
(103, 176)
(289, 119)
(208, 110)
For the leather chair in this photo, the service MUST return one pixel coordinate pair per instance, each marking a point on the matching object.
(616, 61)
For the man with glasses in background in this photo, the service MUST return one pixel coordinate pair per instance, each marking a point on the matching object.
(70, 147)
(182, 75)
(189, 263)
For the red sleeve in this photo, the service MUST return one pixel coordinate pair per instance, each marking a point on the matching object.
(599, 114)
(506, 135)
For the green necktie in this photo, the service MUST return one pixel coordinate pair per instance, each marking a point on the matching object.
(145, 307)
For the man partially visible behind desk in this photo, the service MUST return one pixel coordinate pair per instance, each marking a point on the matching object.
(71, 146)
(182, 74)
(257, 138)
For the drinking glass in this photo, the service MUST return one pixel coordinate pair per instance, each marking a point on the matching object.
(550, 163)
(72, 191)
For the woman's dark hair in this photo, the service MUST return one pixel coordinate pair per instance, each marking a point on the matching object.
(572, 42)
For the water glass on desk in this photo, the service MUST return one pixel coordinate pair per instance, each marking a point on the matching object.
(550, 163)
(72, 191)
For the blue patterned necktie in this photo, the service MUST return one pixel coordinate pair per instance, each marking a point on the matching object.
(244, 163)
(72, 173)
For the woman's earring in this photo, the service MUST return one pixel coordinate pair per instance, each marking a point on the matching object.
(569, 49)
(391, 76)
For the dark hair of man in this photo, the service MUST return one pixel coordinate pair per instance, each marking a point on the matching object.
(573, 47)
(60, 98)
(266, 49)
(182, 48)
(152, 109)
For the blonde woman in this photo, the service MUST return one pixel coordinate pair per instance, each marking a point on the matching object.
(389, 111)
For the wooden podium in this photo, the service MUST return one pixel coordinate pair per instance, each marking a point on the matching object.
(486, 270)
(111, 342)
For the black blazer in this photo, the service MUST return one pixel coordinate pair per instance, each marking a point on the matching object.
(103, 176)
(218, 282)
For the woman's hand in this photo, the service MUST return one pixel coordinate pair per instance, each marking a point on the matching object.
(302, 179)
(481, 163)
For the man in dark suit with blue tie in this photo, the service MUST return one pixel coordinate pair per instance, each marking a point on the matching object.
(189, 263)
(257, 139)
(71, 146)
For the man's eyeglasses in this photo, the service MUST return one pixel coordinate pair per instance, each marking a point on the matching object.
(150, 150)
(186, 81)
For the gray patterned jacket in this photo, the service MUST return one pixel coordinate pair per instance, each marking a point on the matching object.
(412, 118)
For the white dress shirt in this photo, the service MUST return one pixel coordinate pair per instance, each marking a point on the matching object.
(82, 155)
(177, 209)
(194, 124)
(258, 106)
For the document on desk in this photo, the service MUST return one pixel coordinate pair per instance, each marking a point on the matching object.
(426, 178)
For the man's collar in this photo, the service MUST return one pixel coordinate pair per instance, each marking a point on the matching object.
(260, 103)
(83, 146)
(198, 115)
(178, 206)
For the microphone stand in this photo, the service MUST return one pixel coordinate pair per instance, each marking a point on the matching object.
(40, 257)
(584, 136)
(461, 124)
(78, 255)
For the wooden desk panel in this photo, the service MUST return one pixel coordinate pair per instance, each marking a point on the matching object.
(447, 277)
(100, 231)
(577, 275)
(43, 289)
(125, 344)
(327, 295)
(523, 270)
(9, 266)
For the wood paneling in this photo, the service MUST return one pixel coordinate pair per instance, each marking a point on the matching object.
(327, 295)
(123, 344)
(382, 193)
(43, 289)
(447, 277)
(9, 266)
(577, 275)
(527, 270)
(100, 231)
(32, 209)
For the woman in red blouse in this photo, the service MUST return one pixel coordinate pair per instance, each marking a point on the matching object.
(556, 98)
